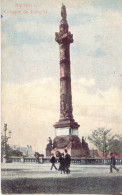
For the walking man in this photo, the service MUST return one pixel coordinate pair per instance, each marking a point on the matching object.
(53, 161)
(62, 163)
(67, 161)
(113, 163)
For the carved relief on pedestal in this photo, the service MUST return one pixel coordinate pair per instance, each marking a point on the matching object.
(72, 142)
(61, 142)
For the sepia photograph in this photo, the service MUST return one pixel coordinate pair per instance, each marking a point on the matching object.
(61, 97)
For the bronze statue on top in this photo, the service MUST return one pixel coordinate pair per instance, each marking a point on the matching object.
(63, 12)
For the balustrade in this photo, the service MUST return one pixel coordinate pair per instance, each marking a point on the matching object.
(73, 161)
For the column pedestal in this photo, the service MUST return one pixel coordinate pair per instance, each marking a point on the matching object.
(65, 131)
(71, 143)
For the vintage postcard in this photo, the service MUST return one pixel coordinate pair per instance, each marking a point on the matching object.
(61, 80)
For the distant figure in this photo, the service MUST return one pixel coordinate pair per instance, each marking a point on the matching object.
(112, 163)
(62, 163)
(37, 157)
(67, 161)
(53, 161)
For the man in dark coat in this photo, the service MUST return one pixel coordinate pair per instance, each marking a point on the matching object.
(113, 163)
(53, 161)
(67, 161)
(62, 163)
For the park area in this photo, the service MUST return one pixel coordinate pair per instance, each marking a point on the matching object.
(21, 178)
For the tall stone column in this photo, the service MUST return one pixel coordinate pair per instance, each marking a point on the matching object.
(66, 129)
(66, 124)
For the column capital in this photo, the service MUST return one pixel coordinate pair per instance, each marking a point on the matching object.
(65, 38)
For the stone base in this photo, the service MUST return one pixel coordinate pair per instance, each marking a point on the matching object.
(66, 131)
(66, 123)
(48, 153)
(78, 153)
(72, 144)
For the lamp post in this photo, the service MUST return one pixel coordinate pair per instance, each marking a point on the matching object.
(5, 138)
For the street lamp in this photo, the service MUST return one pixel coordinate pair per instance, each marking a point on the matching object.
(9, 133)
(5, 137)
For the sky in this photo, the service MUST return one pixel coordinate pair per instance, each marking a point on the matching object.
(31, 71)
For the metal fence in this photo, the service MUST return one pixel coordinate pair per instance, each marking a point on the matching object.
(73, 161)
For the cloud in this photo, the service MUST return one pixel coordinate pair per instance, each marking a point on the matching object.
(86, 82)
(99, 52)
(29, 63)
(4, 38)
(36, 28)
(108, 4)
(30, 110)
(107, 26)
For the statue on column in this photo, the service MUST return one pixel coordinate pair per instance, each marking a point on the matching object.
(63, 12)
(49, 147)
(83, 142)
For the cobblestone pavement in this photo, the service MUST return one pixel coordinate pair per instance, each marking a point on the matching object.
(38, 178)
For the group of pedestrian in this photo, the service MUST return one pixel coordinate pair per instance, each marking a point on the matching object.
(64, 161)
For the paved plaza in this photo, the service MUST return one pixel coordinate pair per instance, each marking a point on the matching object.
(38, 178)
